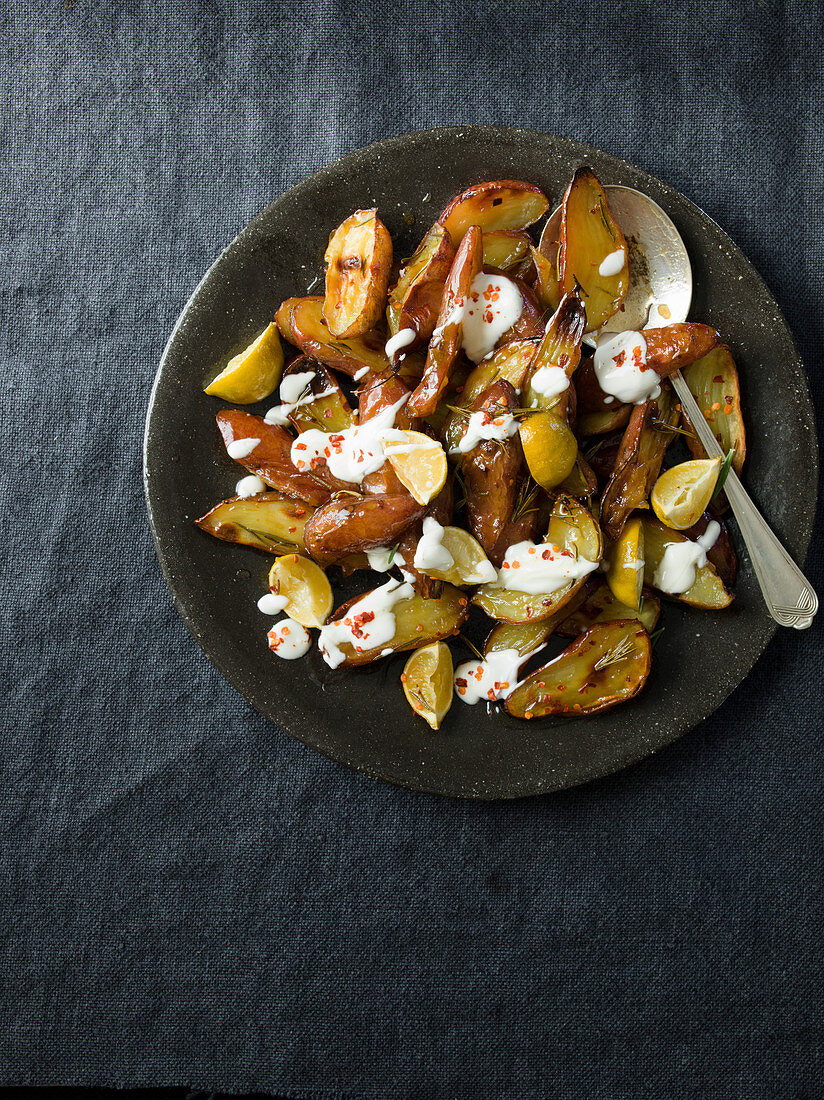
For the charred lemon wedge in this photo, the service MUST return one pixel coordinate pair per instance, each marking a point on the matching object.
(419, 462)
(681, 494)
(427, 682)
(254, 373)
(306, 588)
(550, 448)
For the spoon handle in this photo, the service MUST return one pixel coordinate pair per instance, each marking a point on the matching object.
(790, 597)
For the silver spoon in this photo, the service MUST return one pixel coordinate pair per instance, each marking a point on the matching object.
(660, 293)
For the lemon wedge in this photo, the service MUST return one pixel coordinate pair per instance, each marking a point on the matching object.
(419, 462)
(470, 565)
(306, 588)
(550, 448)
(254, 373)
(427, 682)
(682, 493)
(625, 564)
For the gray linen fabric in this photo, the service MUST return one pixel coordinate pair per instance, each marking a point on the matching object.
(189, 895)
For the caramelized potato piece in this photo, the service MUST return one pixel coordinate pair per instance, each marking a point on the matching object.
(527, 637)
(509, 363)
(496, 205)
(503, 248)
(607, 665)
(415, 300)
(572, 527)
(676, 346)
(593, 253)
(547, 286)
(490, 472)
(713, 381)
(581, 482)
(639, 461)
(602, 423)
(301, 322)
(708, 592)
(267, 521)
(447, 337)
(358, 262)
(560, 347)
(271, 458)
(418, 622)
(330, 412)
(348, 524)
(600, 606)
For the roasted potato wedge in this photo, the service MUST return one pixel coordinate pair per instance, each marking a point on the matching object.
(607, 665)
(301, 322)
(581, 482)
(571, 526)
(490, 472)
(708, 592)
(590, 240)
(358, 263)
(639, 461)
(547, 287)
(494, 206)
(266, 521)
(560, 347)
(271, 459)
(415, 299)
(447, 337)
(348, 524)
(602, 423)
(503, 248)
(677, 346)
(509, 363)
(418, 622)
(528, 637)
(713, 381)
(330, 412)
(598, 605)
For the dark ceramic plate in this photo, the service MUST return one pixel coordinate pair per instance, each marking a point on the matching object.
(361, 719)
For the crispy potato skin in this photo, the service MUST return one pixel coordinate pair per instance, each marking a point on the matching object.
(490, 473)
(301, 322)
(713, 380)
(358, 262)
(347, 525)
(271, 459)
(415, 300)
(529, 325)
(574, 683)
(494, 205)
(638, 462)
(331, 413)
(676, 346)
(447, 338)
(267, 521)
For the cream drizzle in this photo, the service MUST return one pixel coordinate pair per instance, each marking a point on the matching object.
(676, 570)
(350, 454)
(368, 624)
(620, 366)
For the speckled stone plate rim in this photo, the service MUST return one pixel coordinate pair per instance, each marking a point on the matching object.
(500, 783)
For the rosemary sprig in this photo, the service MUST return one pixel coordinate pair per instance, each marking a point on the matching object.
(663, 426)
(654, 637)
(723, 473)
(391, 557)
(620, 652)
(526, 500)
(262, 537)
(474, 648)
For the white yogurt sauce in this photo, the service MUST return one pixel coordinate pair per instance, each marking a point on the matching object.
(613, 263)
(676, 571)
(368, 624)
(430, 552)
(271, 604)
(249, 486)
(401, 339)
(481, 425)
(350, 454)
(241, 448)
(379, 558)
(356, 377)
(542, 569)
(291, 388)
(620, 366)
(549, 381)
(490, 679)
(493, 307)
(289, 640)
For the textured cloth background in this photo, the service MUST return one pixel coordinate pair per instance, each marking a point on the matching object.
(189, 895)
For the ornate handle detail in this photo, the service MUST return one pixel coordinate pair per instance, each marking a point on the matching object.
(789, 596)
